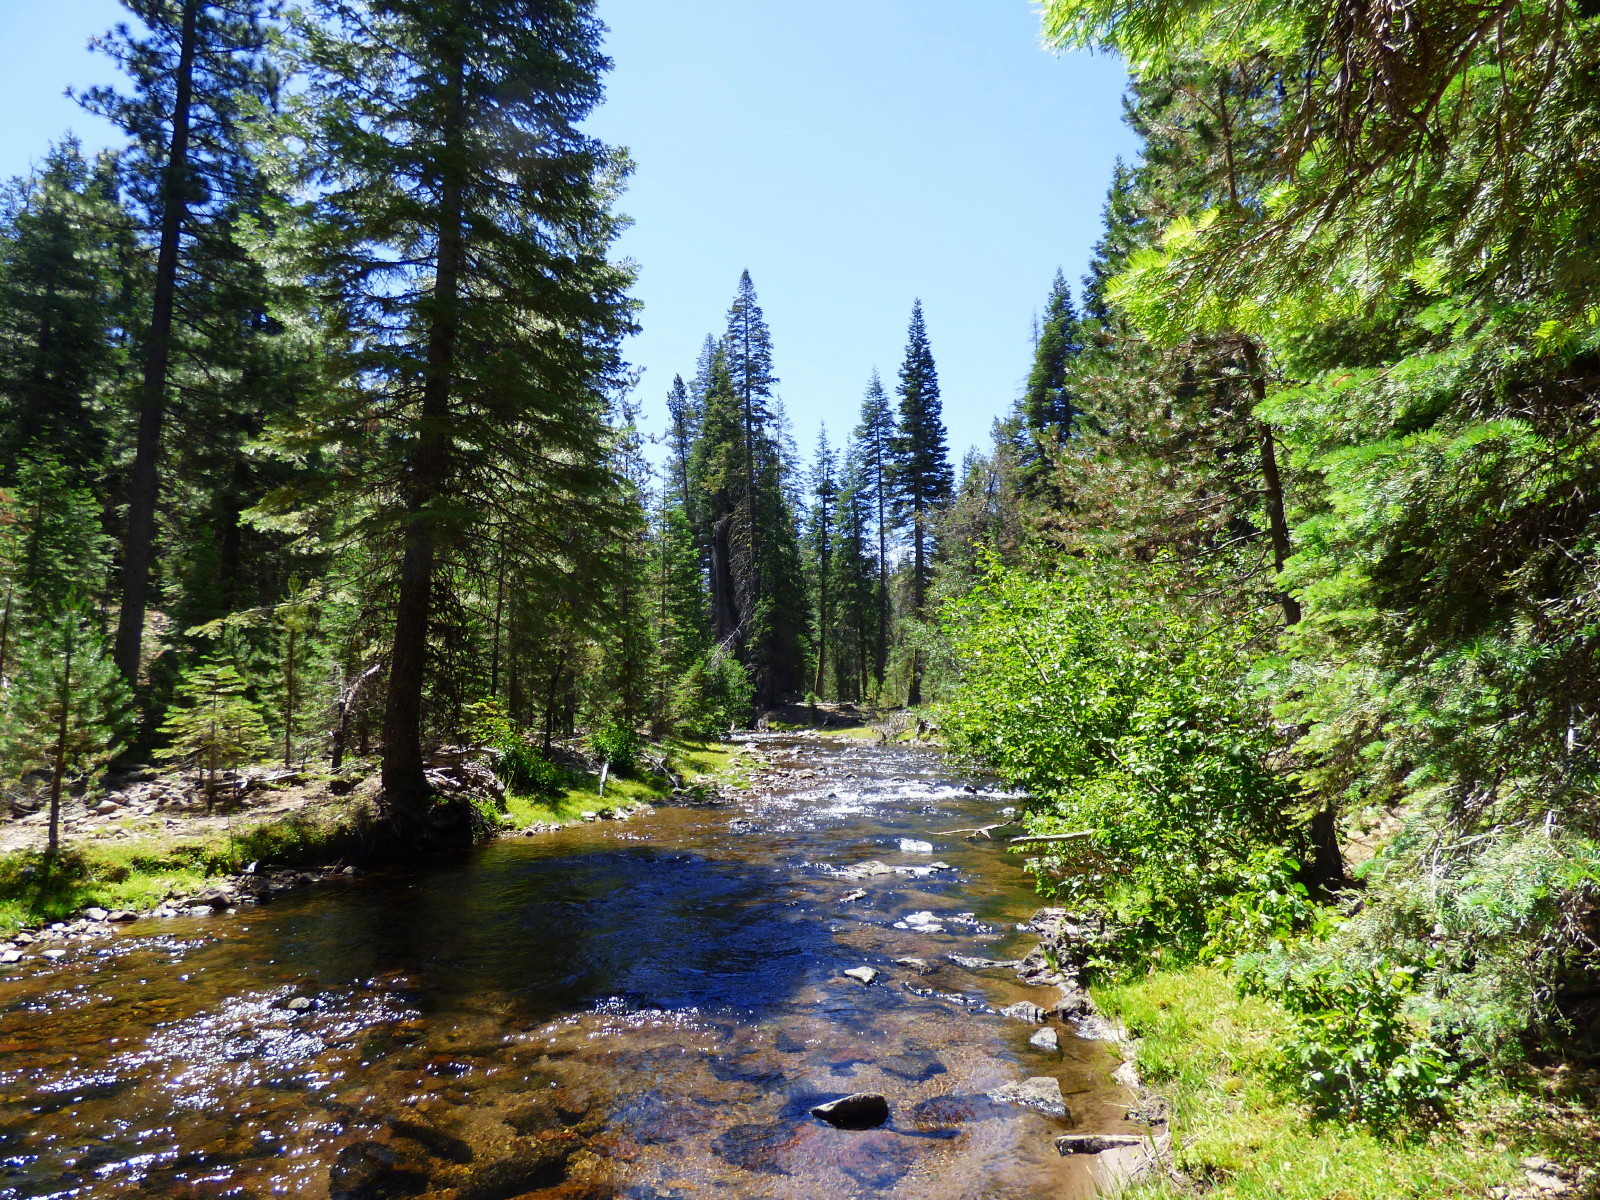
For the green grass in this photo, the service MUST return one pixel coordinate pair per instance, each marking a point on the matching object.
(141, 872)
(1209, 1052)
(688, 759)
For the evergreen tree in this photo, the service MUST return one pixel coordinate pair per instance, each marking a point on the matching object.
(196, 69)
(874, 449)
(458, 222)
(825, 493)
(921, 473)
(51, 546)
(1047, 407)
(856, 582)
(65, 704)
(63, 255)
(214, 725)
(683, 426)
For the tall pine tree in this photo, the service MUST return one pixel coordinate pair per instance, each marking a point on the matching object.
(458, 222)
(922, 476)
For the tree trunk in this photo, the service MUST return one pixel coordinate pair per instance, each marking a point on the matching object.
(918, 565)
(53, 845)
(1326, 871)
(1272, 481)
(144, 483)
(288, 702)
(405, 783)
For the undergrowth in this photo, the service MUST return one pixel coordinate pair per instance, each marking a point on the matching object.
(1214, 1054)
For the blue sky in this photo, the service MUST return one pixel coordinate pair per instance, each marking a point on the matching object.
(852, 154)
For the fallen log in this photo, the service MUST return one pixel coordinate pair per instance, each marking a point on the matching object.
(1053, 837)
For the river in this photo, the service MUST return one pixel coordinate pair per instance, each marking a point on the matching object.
(645, 1009)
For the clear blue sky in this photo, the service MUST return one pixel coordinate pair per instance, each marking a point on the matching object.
(852, 154)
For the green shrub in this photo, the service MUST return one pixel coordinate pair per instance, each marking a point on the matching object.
(522, 767)
(1359, 1048)
(617, 744)
(712, 696)
(1123, 715)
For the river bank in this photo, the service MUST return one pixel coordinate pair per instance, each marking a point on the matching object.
(151, 843)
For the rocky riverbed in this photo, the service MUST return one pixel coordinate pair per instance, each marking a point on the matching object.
(803, 990)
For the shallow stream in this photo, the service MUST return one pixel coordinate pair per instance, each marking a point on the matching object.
(642, 1009)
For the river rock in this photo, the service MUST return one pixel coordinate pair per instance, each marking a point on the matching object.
(913, 846)
(1096, 1143)
(1041, 1092)
(851, 897)
(913, 1065)
(863, 975)
(1046, 1039)
(860, 1110)
(866, 870)
(1025, 1010)
(917, 966)
(922, 922)
(767, 1148)
(981, 964)
(96, 914)
(8, 957)
(298, 1004)
(370, 1171)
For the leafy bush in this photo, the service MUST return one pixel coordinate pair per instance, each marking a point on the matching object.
(1125, 717)
(522, 767)
(712, 696)
(1359, 1049)
(1443, 969)
(617, 744)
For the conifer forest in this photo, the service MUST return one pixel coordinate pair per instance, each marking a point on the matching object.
(1270, 612)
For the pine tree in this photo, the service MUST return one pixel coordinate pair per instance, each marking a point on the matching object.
(825, 493)
(52, 545)
(683, 426)
(61, 312)
(922, 476)
(214, 726)
(856, 582)
(460, 221)
(66, 703)
(195, 71)
(1047, 404)
(874, 442)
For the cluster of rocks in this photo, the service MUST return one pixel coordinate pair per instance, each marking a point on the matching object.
(625, 813)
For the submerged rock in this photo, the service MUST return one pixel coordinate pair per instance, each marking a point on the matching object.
(1041, 1093)
(1046, 1039)
(914, 1065)
(917, 966)
(1025, 1010)
(1095, 1143)
(372, 1171)
(860, 1110)
(766, 1148)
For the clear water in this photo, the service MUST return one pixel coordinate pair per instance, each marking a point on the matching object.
(642, 1009)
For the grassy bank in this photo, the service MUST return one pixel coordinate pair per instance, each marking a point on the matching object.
(688, 759)
(1209, 1052)
(138, 872)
